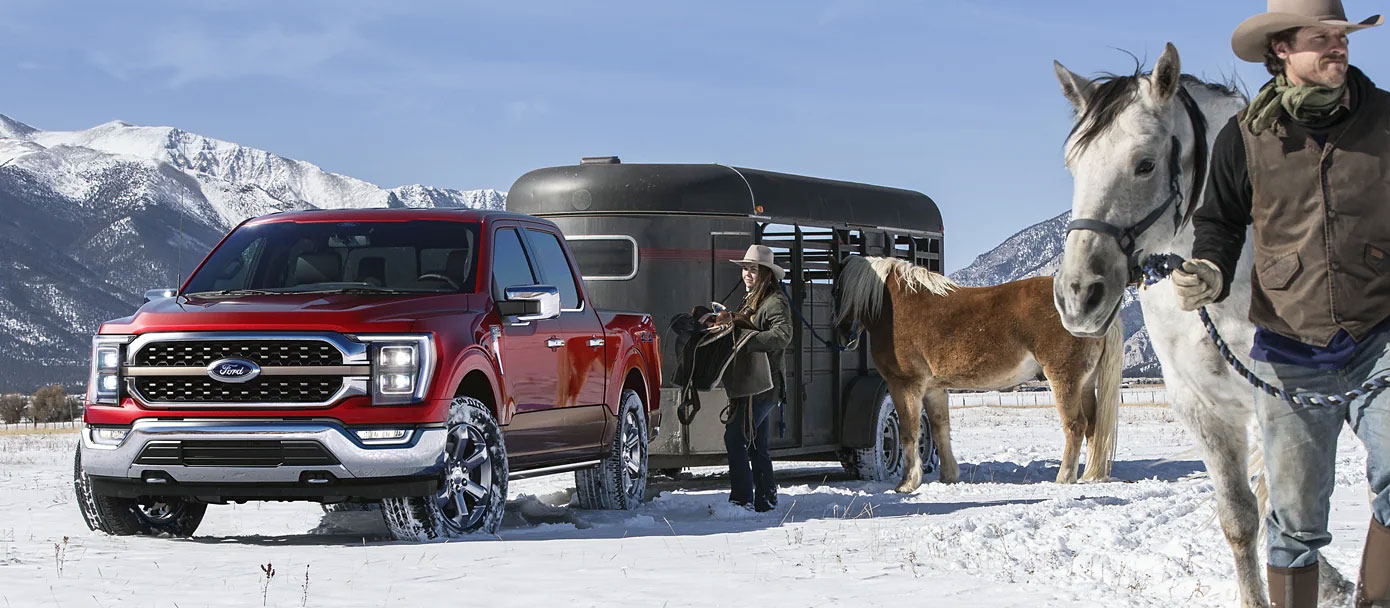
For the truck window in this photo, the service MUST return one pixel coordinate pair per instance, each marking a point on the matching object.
(555, 266)
(509, 264)
(604, 258)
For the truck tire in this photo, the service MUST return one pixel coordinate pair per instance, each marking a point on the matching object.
(117, 516)
(349, 507)
(472, 493)
(620, 481)
(885, 459)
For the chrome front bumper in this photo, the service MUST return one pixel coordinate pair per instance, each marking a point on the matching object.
(421, 455)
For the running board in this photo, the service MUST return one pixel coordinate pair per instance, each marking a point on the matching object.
(559, 468)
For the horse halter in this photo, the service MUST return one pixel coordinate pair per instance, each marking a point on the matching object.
(1126, 237)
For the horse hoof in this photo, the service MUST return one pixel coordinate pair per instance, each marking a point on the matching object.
(906, 488)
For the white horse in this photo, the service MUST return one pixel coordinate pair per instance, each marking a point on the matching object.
(1137, 153)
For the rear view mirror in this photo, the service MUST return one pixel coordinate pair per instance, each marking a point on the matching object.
(530, 302)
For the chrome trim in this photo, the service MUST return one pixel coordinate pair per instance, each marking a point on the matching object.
(595, 342)
(356, 460)
(554, 343)
(353, 352)
(559, 468)
(301, 370)
(352, 387)
(610, 237)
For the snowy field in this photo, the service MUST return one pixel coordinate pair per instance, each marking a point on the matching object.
(1006, 536)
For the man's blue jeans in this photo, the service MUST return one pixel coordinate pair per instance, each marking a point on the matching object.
(1300, 448)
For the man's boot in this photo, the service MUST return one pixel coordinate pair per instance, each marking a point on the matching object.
(1293, 587)
(1374, 587)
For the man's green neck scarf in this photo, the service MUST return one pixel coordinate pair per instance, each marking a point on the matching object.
(1304, 103)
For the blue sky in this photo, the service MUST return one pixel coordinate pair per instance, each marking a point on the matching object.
(955, 99)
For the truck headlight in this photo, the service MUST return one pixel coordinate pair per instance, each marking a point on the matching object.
(104, 385)
(401, 368)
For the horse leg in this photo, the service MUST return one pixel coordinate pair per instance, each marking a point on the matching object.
(938, 415)
(908, 403)
(1226, 447)
(1071, 405)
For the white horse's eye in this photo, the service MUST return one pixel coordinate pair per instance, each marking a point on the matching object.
(1145, 167)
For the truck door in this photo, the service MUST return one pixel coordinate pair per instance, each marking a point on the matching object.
(527, 361)
(581, 369)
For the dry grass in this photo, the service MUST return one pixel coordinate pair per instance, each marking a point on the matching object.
(29, 430)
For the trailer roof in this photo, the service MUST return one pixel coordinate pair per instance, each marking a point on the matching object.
(714, 189)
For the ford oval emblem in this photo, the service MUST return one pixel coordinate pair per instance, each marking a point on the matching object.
(233, 370)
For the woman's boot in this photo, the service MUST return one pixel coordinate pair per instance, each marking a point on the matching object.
(1374, 587)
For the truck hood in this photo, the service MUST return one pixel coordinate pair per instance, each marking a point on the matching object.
(292, 312)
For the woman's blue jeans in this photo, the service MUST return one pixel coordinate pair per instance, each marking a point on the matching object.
(745, 446)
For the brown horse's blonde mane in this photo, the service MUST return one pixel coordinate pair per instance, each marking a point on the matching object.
(863, 279)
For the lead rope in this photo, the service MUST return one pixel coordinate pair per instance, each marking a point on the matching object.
(1159, 266)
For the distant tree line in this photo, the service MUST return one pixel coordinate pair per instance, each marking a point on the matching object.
(48, 404)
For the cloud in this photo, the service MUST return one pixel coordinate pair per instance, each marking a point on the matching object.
(189, 53)
(520, 111)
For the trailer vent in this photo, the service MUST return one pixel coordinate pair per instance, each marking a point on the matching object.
(600, 160)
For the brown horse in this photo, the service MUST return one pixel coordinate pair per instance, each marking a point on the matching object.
(929, 334)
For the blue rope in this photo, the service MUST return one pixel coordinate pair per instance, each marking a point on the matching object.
(1159, 266)
(828, 344)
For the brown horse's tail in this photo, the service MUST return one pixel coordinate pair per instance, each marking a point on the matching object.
(1100, 452)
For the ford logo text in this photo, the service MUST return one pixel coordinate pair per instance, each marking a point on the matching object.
(233, 371)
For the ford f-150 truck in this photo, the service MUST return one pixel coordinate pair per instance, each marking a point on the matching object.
(416, 358)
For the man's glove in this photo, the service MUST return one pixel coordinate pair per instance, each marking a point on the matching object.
(1197, 283)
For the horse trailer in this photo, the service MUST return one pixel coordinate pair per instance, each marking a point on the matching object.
(658, 238)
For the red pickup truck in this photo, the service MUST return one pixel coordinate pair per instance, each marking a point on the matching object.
(416, 358)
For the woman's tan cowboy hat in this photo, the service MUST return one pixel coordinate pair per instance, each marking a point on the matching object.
(762, 256)
(1252, 36)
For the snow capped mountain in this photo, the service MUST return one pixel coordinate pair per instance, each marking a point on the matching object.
(91, 219)
(1037, 251)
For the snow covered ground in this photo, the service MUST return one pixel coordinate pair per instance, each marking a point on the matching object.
(1006, 536)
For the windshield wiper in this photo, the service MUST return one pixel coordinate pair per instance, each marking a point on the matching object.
(365, 290)
(232, 293)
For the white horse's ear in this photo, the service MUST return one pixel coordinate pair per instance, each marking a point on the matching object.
(1076, 88)
(1167, 74)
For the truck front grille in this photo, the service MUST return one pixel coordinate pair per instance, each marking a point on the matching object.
(265, 353)
(265, 389)
(235, 453)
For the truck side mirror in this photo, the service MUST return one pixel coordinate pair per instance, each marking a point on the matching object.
(530, 302)
(157, 294)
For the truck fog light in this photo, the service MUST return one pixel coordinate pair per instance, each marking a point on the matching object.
(109, 436)
(381, 435)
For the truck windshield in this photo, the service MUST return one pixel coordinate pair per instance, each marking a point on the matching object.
(422, 256)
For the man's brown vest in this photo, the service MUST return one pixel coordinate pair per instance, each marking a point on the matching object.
(1322, 225)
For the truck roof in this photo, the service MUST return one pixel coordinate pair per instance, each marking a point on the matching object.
(391, 215)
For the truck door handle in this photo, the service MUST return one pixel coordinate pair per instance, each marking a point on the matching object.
(595, 342)
(554, 343)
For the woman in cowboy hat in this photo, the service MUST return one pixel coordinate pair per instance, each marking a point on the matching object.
(1307, 163)
(754, 382)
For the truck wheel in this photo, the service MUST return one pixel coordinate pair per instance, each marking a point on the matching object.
(620, 480)
(472, 491)
(129, 516)
(884, 461)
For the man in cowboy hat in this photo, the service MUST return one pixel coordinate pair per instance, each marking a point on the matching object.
(1307, 163)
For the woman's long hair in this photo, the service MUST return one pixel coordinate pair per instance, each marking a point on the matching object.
(764, 288)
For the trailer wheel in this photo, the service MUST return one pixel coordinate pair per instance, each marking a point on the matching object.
(885, 459)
